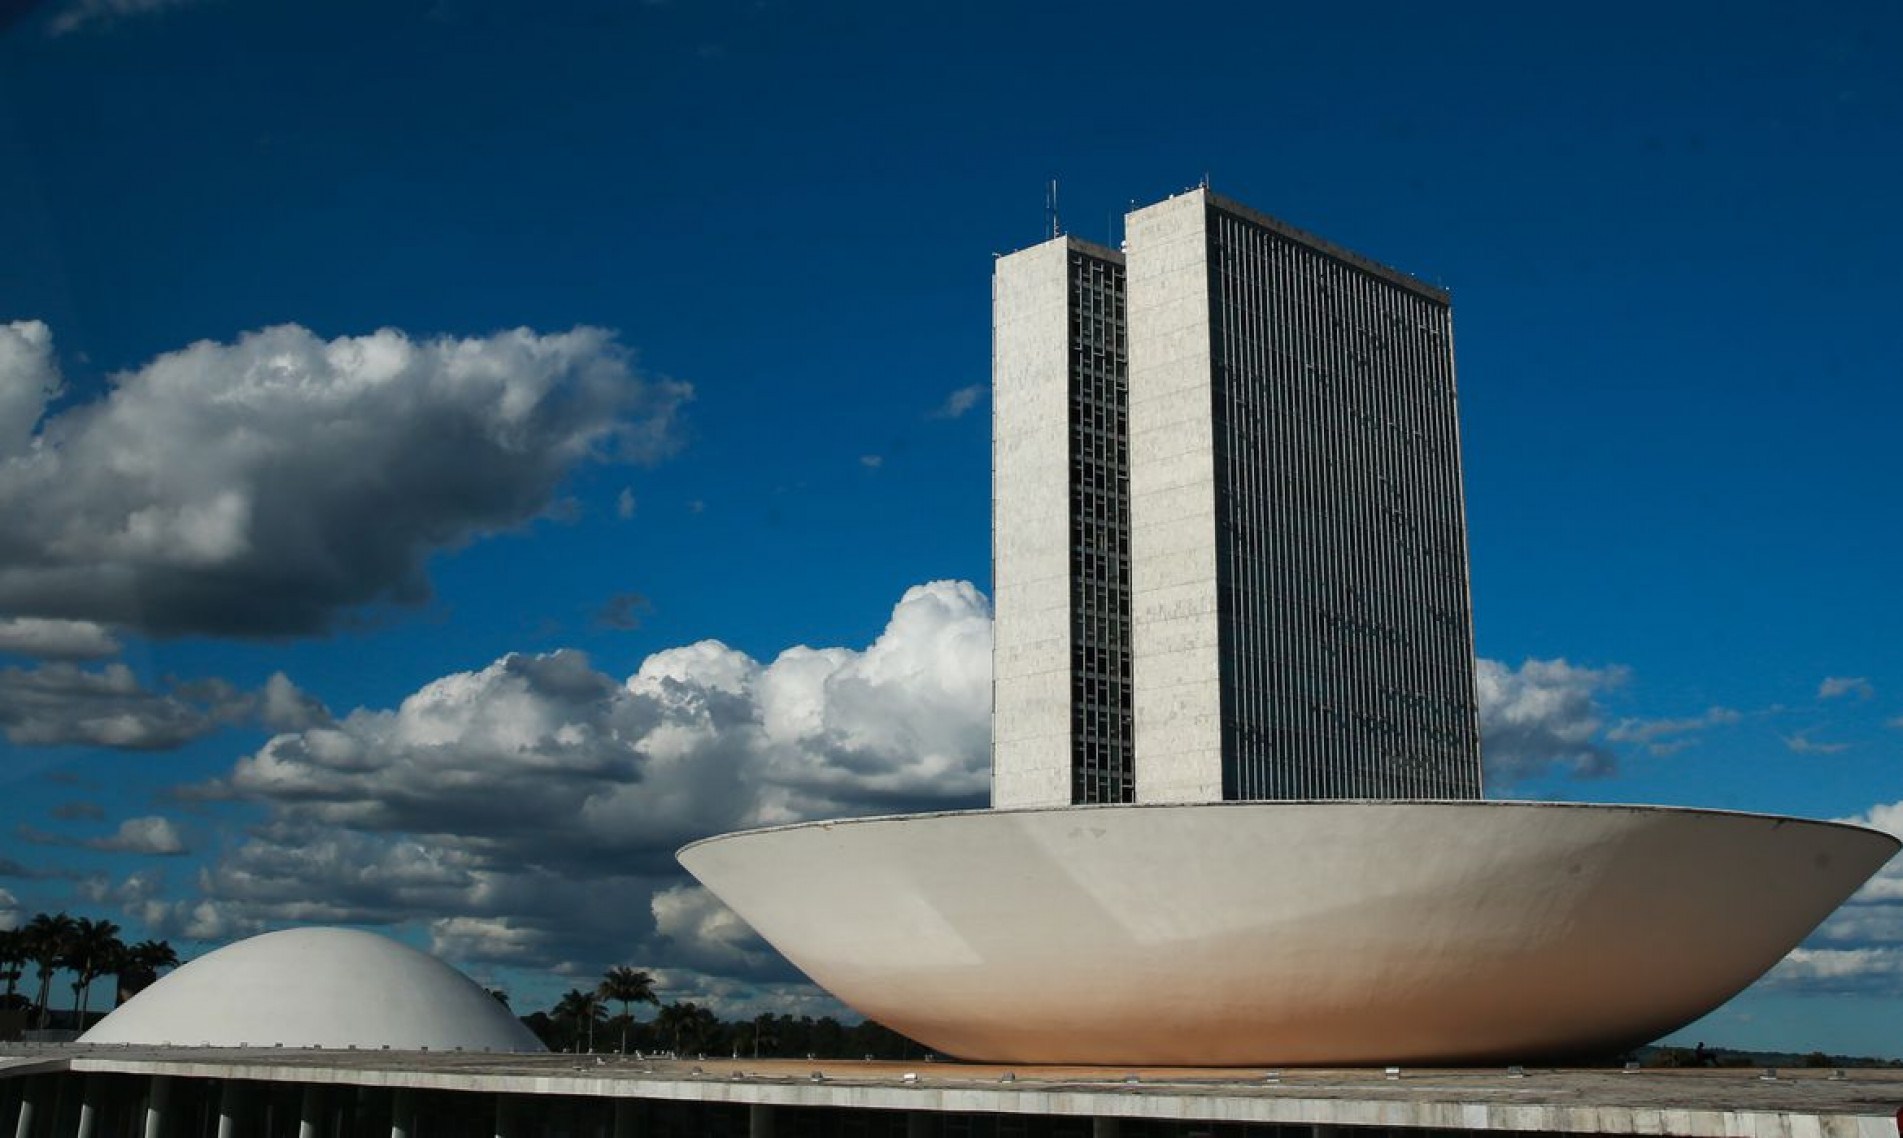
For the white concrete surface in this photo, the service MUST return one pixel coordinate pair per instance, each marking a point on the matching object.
(317, 987)
(1177, 665)
(1289, 933)
(1030, 512)
(1722, 1103)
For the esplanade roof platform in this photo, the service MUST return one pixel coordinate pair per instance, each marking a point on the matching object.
(1719, 1103)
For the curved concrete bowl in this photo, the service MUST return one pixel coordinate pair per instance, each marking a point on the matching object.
(1322, 933)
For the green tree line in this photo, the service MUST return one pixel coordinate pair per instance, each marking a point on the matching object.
(581, 1021)
(89, 951)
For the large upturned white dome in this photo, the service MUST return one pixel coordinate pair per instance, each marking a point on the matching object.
(317, 987)
(1289, 933)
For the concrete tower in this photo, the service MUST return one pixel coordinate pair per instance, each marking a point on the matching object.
(1301, 622)
(1228, 531)
(1060, 502)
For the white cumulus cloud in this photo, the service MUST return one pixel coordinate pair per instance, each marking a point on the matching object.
(267, 486)
(153, 834)
(61, 704)
(527, 812)
(1874, 971)
(57, 639)
(65, 705)
(491, 940)
(705, 934)
(28, 379)
(1543, 716)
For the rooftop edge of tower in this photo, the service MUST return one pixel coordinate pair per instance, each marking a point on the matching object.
(1077, 244)
(1321, 245)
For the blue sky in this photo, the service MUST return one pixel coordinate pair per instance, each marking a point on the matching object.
(486, 356)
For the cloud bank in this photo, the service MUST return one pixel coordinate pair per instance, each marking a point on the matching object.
(1543, 717)
(268, 486)
(528, 812)
(66, 705)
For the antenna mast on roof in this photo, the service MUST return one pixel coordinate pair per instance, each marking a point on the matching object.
(1052, 224)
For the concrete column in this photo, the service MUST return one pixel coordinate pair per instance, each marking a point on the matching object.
(158, 1093)
(65, 1119)
(1105, 1127)
(89, 1108)
(229, 1105)
(760, 1121)
(310, 1112)
(626, 1124)
(402, 1113)
(346, 1105)
(30, 1094)
(505, 1117)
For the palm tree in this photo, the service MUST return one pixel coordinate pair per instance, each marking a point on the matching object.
(578, 1008)
(94, 951)
(627, 986)
(691, 1027)
(13, 958)
(47, 940)
(139, 967)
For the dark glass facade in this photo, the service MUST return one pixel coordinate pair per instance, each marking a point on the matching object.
(1101, 766)
(1342, 588)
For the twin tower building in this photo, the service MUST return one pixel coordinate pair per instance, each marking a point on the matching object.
(1229, 547)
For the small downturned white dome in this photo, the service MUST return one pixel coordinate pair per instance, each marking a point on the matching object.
(317, 987)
